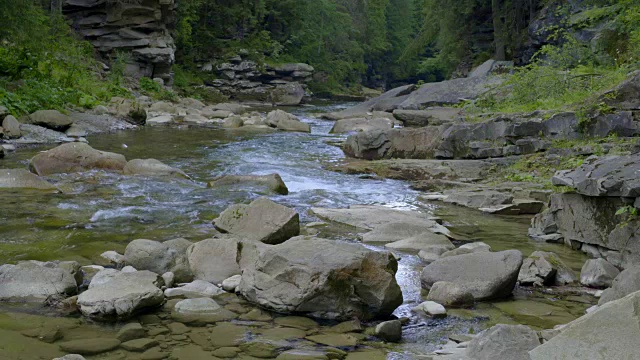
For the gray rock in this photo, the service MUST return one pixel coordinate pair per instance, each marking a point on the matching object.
(215, 260)
(409, 234)
(160, 120)
(200, 311)
(470, 248)
(607, 176)
(168, 278)
(51, 119)
(76, 131)
(362, 109)
(232, 283)
(360, 124)
(426, 241)
(450, 295)
(478, 199)
(390, 331)
(103, 276)
(511, 342)
(323, 278)
(449, 92)
(287, 122)
(545, 268)
(592, 220)
(431, 116)
(113, 258)
(262, 220)
(273, 182)
(598, 273)
(90, 346)
(23, 179)
(35, 281)
(233, 122)
(11, 127)
(129, 269)
(290, 94)
(432, 309)
(139, 345)
(71, 357)
(235, 108)
(75, 157)
(131, 331)
(627, 282)
(151, 167)
(485, 275)
(159, 258)
(626, 95)
(372, 217)
(193, 290)
(490, 67)
(609, 332)
(122, 297)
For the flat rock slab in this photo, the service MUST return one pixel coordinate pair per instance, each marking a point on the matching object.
(23, 179)
(90, 346)
(369, 217)
(607, 176)
(201, 311)
(35, 281)
(610, 332)
(152, 167)
(122, 296)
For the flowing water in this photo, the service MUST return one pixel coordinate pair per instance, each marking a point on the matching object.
(101, 211)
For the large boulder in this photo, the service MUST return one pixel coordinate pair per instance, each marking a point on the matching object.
(23, 179)
(11, 127)
(361, 124)
(151, 167)
(160, 257)
(406, 143)
(395, 96)
(627, 282)
(449, 92)
(290, 94)
(215, 260)
(262, 220)
(272, 182)
(511, 342)
(450, 295)
(545, 268)
(609, 332)
(75, 157)
(51, 119)
(323, 278)
(287, 122)
(598, 273)
(121, 295)
(485, 275)
(35, 281)
(607, 176)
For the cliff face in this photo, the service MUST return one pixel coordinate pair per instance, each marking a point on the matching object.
(140, 28)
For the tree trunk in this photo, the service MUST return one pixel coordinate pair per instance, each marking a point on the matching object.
(498, 30)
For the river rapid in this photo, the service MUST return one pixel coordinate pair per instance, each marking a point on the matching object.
(100, 211)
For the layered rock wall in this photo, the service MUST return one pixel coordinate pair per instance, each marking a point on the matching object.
(139, 28)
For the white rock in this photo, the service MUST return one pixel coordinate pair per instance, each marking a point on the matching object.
(195, 289)
(431, 308)
(128, 269)
(231, 283)
(114, 258)
(168, 278)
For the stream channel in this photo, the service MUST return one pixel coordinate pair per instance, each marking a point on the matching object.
(100, 211)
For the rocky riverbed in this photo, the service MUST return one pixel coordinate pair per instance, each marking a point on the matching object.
(203, 253)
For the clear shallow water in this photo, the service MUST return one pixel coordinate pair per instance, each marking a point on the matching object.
(101, 211)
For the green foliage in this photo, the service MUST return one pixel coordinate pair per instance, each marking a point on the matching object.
(44, 66)
(156, 91)
(559, 76)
